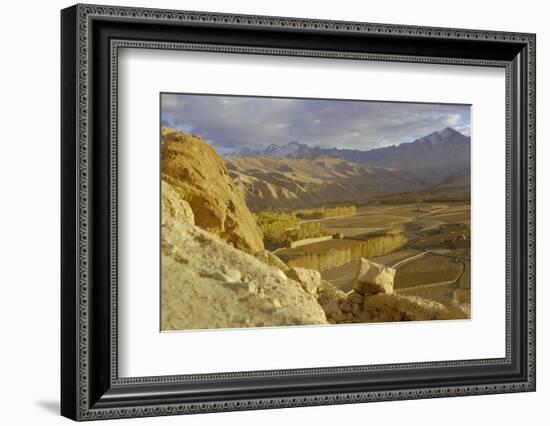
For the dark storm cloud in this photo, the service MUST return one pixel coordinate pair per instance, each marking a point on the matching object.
(230, 122)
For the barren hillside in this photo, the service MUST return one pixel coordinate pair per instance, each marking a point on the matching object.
(272, 182)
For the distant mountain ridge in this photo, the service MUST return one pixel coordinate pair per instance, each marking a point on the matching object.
(432, 158)
(290, 183)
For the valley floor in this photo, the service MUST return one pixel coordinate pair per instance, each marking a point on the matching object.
(434, 263)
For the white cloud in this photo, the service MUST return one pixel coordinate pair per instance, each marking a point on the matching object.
(232, 121)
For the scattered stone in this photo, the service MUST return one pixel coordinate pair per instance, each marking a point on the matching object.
(338, 236)
(309, 279)
(233, 275)
(326, 293)
(373, 278)
(332, 310)
(356, 309)
(271, 259)
(354, 297)
(392, 307)
(345, 307)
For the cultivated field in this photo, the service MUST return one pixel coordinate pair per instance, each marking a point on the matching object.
(427, 242)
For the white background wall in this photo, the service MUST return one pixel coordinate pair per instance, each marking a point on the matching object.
(29, 225)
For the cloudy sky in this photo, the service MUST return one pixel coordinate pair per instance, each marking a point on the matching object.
(233, 122)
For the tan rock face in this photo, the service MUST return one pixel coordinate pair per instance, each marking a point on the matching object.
(197, 174)
(309, 279)
(206, 283)
(174, 205)
(372, 278)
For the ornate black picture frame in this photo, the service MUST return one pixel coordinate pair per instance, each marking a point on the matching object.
(91, 387)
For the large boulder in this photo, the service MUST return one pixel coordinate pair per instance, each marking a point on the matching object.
(198, 175)
(327, 292)
(372, 278)
(392, 307)
(309, 279)
(207, 283)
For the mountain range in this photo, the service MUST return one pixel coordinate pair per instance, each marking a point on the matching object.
(440, 158)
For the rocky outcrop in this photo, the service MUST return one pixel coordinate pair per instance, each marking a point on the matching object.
(330, 298)
(341, 308)
(386, 308)
(373, 300)
(309, 279)
(174, 206)
(372, 278)
(271, 259)
(198, 175)
(206, 283)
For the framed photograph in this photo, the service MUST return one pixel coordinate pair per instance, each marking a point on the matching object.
(263, 212)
